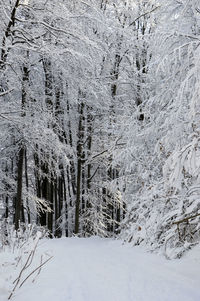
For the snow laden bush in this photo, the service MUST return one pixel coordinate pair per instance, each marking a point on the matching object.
(20, 260)
(182, 180)
(23, 237)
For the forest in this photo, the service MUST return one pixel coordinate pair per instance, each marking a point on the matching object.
(100, 120)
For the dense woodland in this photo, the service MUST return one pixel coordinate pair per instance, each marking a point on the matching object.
(100, 119)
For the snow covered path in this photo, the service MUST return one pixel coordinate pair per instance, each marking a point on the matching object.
(104, 270)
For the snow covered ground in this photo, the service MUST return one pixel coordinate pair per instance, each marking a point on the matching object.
(97, 269)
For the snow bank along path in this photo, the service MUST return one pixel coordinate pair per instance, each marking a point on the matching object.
(97, 269)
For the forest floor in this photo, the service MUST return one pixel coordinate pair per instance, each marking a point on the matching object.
(97, 269)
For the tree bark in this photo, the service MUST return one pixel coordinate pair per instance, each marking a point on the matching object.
(19, 188)
(79, 166)
(11, 23)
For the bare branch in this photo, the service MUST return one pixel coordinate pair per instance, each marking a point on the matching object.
(39, 267)
(6, 92)
(186, 219)
(143, 15)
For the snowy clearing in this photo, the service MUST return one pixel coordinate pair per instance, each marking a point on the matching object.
(105, 270)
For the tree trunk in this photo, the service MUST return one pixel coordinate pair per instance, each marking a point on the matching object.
(18, 205)
(11, 23)
(79, 166)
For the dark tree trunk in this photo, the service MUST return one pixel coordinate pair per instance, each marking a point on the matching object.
(27, 187)
(18, 205)
(45, 181)
(51, 200)
(11, 23)
(19, 208)
(79, 165)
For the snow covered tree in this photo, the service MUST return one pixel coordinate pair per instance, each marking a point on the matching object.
(164, 204)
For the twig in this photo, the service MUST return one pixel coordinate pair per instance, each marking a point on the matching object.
(27, 264)
(143, 15)
(185, 219)
(6, 92)
(38, 271)
(35, 270)
(19, 277)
